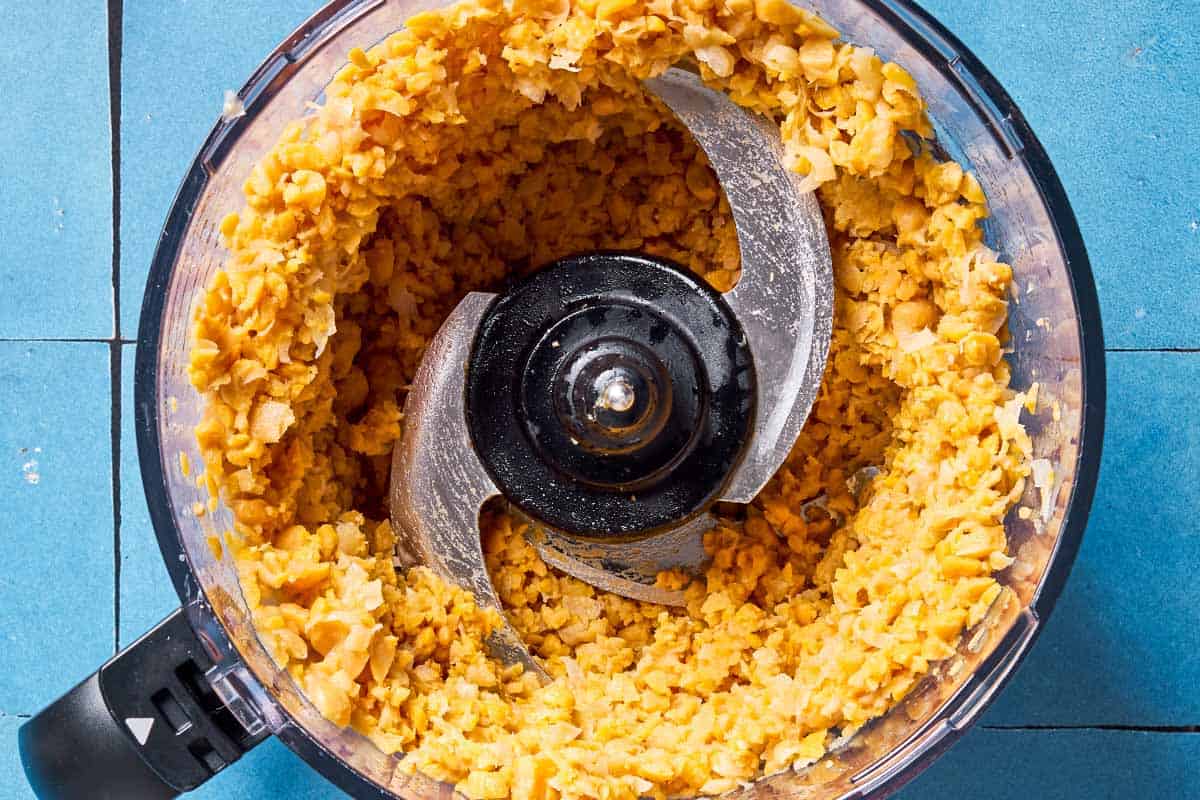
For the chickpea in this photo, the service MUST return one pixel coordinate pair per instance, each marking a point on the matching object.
(911, 316)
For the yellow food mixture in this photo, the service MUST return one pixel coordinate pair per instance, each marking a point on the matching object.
(481, 142)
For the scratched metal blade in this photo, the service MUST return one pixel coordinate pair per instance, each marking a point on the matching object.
(438, 484)
(784, 302)
(629, 569)
(784, 298)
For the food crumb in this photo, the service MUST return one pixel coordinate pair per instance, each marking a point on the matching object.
(30, 472)
(232, 106)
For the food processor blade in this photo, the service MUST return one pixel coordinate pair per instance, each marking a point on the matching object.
(784, 298)
(783, 303)
(630, 569)
(438, 484)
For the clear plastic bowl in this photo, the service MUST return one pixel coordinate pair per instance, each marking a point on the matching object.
(1055, 326)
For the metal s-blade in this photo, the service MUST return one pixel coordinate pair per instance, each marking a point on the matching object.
(784, 299)
(629, 569)
(438, 485)
(783, 304)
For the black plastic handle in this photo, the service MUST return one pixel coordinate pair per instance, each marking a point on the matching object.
(146, 725)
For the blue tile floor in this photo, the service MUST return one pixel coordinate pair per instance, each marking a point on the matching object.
(56, 227)
(1106, 706)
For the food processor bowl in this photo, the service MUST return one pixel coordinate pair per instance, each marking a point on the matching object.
(235, 695)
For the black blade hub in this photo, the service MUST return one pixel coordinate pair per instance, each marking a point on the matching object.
(610, 394)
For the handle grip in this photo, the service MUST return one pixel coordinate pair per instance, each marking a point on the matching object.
(146, 725)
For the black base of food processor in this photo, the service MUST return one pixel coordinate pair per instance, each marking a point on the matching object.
(146, 725)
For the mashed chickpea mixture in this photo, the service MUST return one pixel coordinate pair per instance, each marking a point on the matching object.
(479, 143)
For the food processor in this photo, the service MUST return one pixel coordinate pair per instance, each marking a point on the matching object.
(191, 696)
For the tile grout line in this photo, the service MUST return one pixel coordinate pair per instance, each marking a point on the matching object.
(115, 42)
(63, 340)
(1152, 349)
(1185, 729)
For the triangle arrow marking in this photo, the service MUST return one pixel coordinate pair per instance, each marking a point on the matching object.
(140, 728)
